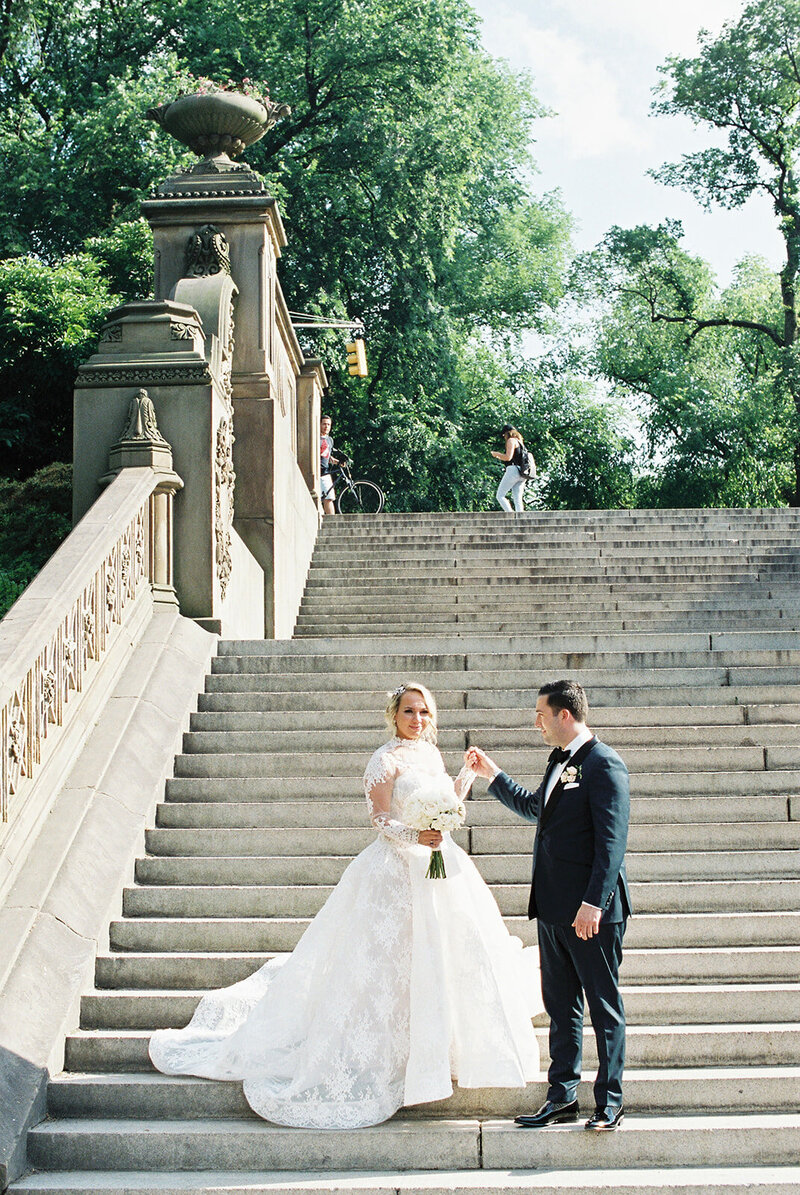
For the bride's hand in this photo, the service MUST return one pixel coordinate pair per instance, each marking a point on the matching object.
(480, 763)
(431, 838)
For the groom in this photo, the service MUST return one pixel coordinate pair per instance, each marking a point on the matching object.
(579, 896)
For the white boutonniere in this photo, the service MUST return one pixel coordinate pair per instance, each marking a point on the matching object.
(570, 777)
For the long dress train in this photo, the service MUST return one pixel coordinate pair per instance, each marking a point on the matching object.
(399, 985)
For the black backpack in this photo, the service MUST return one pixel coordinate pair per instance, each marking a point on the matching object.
(524, 461)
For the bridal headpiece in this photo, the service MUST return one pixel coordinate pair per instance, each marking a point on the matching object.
(397, 692)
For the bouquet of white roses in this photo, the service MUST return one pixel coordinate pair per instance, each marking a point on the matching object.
(435, 808)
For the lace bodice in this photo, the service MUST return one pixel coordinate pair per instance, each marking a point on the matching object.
(398, 769)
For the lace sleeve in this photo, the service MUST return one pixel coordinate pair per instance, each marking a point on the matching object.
(463, 782)
(378, 785)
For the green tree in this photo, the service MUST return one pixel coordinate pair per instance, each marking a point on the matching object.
(715, 413)
(35, 515)
(746, 85)
(403, 173)
(49, 320)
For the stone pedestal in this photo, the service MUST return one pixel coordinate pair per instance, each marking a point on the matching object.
(233, 395)
(162, 347)
(218, 219)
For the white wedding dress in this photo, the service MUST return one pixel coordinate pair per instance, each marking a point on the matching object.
(399, 985)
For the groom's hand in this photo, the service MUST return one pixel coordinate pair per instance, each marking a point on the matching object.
(587, 922)
(480, 763)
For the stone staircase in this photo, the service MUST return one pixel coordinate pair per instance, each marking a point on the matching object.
(685, 628)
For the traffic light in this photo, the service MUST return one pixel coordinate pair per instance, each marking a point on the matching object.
(357, 358)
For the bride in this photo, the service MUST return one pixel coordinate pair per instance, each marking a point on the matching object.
(400, 984)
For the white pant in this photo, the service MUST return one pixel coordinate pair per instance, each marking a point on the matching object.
(512, 480)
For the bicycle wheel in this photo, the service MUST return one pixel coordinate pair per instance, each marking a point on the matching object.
(362, 498)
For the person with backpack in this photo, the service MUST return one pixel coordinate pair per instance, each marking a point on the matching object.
(520, 468)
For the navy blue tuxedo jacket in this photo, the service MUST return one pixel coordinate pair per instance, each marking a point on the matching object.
(582, 832)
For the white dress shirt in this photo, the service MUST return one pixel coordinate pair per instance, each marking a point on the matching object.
(582, 737)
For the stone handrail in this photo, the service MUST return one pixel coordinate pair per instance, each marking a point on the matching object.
(58, 632)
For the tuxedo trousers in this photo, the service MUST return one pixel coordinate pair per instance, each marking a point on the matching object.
(571, 968)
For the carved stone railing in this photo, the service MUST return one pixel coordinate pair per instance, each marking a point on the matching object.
(55, 639)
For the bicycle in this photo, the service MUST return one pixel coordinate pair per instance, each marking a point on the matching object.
(356, 496)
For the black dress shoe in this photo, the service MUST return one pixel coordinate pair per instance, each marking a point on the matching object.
(550, 1113)
(606, 1118)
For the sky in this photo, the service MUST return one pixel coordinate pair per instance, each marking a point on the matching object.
(594, 64)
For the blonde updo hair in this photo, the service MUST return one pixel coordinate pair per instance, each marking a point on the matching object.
(393, 705)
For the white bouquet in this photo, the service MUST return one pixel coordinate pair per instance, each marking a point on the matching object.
(435, 808)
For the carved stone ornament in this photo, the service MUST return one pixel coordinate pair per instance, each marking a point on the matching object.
(207, 253)
(181, 332)
(167, 375)
(49, 686)
(224, 480)
(141, 424)
(220, 122)
(112, 334)
(16, 740)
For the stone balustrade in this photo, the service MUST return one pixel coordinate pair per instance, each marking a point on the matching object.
(96, 592)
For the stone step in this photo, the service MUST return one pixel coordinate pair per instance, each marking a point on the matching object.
(705, 569)
(733, 517)
(457, 570)
(511, 839)
(483, 547)
(388, 631)
(543, 535)
(235, 754)
(714, 1180)
(222, 693)
(754, 696)
(482, 810)
(590, 599)
(629, 589)
(213, 715)
(701, 572)
(669, 1004)
(403, 1144)
(403, 531)
(699, 1089)
(663, 851)
(190, 779)
(647, 1047)
(655, 680)
(668, 607)
(645, 867)
(208, 970)
(456, 618)
(648, 930)
(664, 650)
(228, 899)
(215, 732)
(622, 535)
(642, 569)
(560, 589)
(457, 707)
(734, 523)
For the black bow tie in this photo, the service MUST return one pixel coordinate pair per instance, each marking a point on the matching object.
(559, 755)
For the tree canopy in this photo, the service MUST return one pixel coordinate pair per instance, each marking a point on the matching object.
(412, 202)
(745, 84)
(404, 178)
(715, 414)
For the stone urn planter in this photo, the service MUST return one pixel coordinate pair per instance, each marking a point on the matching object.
(218, 123)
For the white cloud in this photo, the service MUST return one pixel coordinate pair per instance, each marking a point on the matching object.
(595, 62)
(671, 28)
(590, 118)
